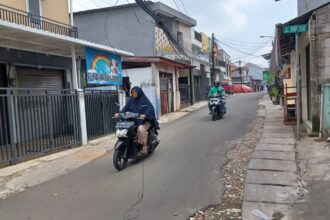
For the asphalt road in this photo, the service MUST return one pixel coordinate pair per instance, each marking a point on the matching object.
(183, 175)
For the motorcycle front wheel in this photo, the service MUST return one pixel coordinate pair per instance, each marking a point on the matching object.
(119, 161)
(214, 115)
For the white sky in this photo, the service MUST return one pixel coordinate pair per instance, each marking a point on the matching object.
(237, 24)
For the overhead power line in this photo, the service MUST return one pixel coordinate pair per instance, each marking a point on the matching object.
(238, 50)
(180, 50)
(184, 7)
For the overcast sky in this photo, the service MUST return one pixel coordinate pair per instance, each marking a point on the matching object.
(237, 24)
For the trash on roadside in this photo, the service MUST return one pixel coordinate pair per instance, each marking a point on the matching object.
(260, 214)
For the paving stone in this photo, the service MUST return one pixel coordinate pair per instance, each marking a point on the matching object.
(277, 130)
(278, 165)
(268, 208)
(270, 125)
(265, 193)
(276, 155)
(277, 135)
(276, 147)
(271, 178)
(280, 140)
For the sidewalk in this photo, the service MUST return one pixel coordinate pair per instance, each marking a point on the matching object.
(314, 164)
(271, 182)
(19, 177)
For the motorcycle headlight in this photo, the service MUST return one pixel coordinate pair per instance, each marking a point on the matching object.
(121, 132)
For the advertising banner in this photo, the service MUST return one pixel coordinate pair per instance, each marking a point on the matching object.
(103, 68)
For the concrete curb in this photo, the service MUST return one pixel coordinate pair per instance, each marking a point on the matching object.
(272, 171)
(21, 176)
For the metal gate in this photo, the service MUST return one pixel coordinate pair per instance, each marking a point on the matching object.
(34, 121)
(166, 93)
(100, 108)
(184, 95)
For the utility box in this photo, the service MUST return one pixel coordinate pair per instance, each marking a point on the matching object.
(326, 108)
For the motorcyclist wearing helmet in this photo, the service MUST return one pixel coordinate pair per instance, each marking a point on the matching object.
(216, 90)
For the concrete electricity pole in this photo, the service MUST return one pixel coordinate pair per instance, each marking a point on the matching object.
(298, 86)
(213, 65)
(240, 73)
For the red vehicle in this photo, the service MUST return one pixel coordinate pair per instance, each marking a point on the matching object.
(239, 88)
(227, 85)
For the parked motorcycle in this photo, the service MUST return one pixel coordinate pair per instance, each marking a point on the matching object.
(218, 108)
(127, 146)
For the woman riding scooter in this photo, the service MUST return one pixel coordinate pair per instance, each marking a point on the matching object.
(135, 103)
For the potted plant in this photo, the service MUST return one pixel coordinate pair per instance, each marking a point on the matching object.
(275, 96)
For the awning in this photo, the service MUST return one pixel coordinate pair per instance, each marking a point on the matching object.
(31, 39)
(287, 41)
(133, 62)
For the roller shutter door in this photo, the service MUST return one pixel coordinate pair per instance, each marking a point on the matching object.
(39, 78)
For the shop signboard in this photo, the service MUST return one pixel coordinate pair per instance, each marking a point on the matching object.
(294, 29)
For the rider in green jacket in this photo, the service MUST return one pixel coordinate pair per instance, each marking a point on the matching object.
(216, 90)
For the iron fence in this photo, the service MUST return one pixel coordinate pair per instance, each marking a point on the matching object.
(20, 17)
(100, 108)
(184, 95)
(34, 122)
(200, 92)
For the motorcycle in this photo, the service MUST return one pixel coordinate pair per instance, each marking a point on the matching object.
(218, 108)
(127, 146)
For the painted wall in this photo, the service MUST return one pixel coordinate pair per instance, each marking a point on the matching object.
(175, 72)
(303, 43)
(308, 5)
(57, 10)
(149, 78)
(162, 44)
(140, 76)
(320, 64)
(186, 31)
(19, 4)
(119, 28)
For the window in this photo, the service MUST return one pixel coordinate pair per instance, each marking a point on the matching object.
(34, 10)
(180, 37)
(34, 7)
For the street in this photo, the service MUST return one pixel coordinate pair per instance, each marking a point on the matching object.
(182, 176)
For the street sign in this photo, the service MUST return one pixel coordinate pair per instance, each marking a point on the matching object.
(294, 29)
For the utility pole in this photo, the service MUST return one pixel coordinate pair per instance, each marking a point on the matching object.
(298, 86)
(240, 73)
(213, 64)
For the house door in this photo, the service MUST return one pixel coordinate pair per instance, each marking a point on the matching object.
(3, 75)
(166, 93)
(4, 131)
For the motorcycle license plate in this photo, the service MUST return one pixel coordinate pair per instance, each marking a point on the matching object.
(124, 124)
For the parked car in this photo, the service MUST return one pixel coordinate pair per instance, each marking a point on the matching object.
(239, 88)
(228, 86)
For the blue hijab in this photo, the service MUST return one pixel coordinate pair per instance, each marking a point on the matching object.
(135, 106)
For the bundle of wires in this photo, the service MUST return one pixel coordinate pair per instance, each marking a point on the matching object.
(179, 48)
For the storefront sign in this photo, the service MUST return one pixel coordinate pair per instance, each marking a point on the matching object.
(205, 43)
(301, 28)
(103, 68)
